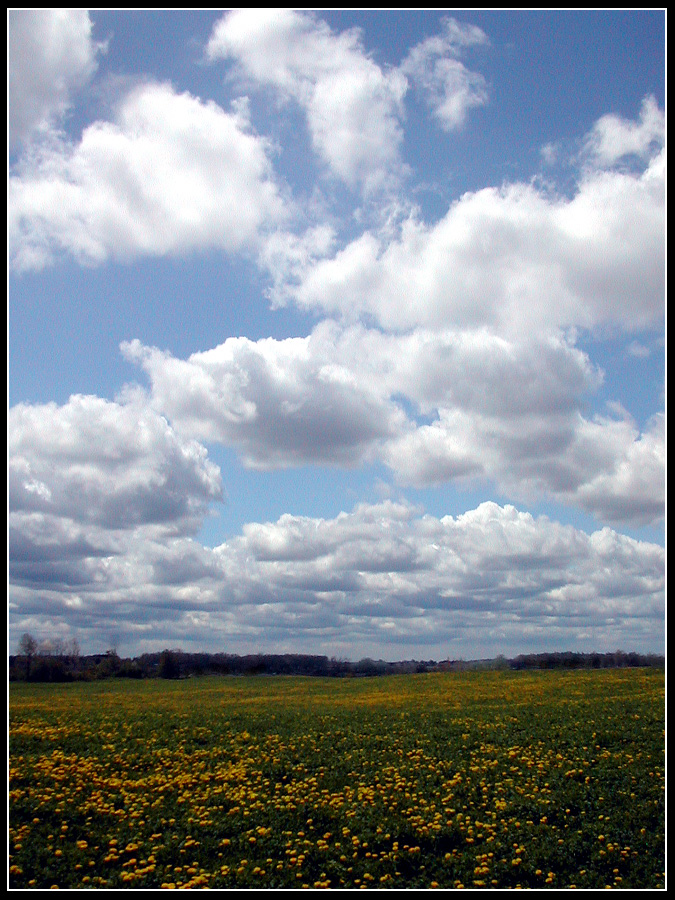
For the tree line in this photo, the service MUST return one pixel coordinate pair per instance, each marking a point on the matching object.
(63, 661)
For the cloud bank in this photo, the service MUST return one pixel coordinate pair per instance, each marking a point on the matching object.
(369, 582)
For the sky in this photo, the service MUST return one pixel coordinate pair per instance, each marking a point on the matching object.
(337, 332)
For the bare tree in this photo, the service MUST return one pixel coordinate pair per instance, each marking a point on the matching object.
(28, 647)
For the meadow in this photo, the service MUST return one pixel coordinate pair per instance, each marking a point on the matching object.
(468, 779)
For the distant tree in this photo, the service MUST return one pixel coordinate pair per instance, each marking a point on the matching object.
(108, 665)
(168, 665)
(130, 668)
(28, 647)
(57, 647)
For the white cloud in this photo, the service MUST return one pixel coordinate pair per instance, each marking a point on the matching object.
(471, 369)
(538, 444)
(50, 55)
(106, 464)
(479, 576)
(101, 498)
(614, 137)
(632, 488)
(515, 259)
(451, 89)
(280, 403)
(286, 256)
(363, 583)
(353, 107)
(433, 406)
(170, 175)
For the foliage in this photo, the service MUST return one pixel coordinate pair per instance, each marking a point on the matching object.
(168, 665)
(481, 779)
(61, 662)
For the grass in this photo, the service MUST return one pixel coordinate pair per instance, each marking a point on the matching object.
(479, 779)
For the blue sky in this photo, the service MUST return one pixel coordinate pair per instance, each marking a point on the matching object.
(337, 332)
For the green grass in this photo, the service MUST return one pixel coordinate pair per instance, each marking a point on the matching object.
(537, 779)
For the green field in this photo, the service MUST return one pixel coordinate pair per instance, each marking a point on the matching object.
(478, 779)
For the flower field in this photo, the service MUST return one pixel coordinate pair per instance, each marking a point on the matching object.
(473, 779)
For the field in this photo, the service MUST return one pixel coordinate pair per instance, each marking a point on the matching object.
(473, 779)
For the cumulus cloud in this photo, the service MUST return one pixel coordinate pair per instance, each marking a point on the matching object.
(102, 499)
(51, 54)
(171, 174)
(50, 551)
(632, 488)
(106, 464)
(352, 105)
(279, 402)
(472, 369)
(602, 465)
(368, 580)
(515, 259)
(383, 573)
(433, 406)
(450, 88)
